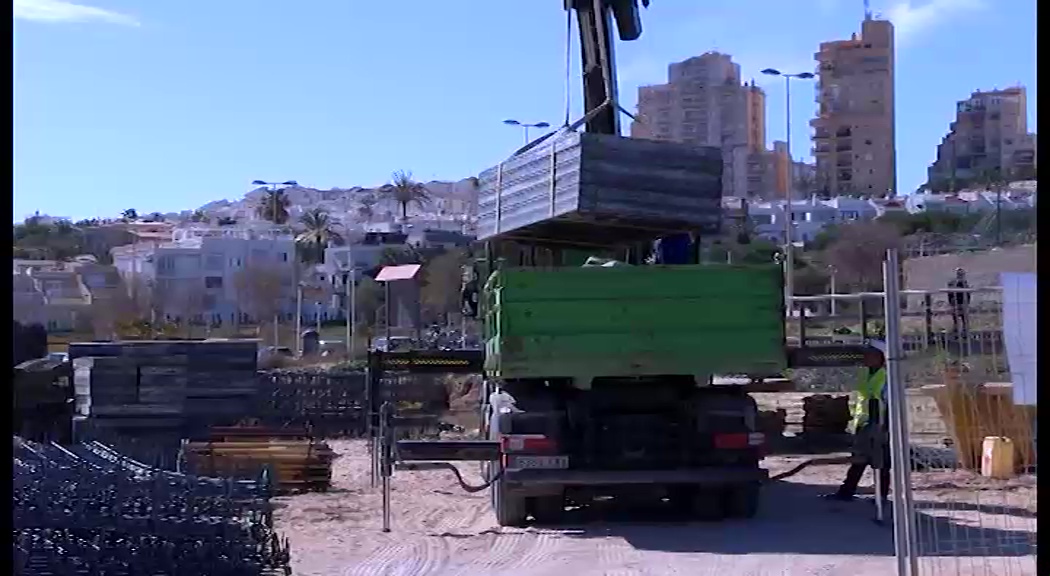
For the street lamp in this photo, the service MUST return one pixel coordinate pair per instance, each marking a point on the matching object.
(789, 260)
(526, 126)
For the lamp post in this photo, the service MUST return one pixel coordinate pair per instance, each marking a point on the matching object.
(274, 187)
(350, 274)
(299, 319)
(525, 126)
(789, 260)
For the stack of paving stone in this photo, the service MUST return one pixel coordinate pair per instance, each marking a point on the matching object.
(825, 414)
(161, 391)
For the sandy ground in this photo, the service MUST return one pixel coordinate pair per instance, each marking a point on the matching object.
(439, 530)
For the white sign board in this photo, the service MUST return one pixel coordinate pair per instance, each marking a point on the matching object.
(1019, 333)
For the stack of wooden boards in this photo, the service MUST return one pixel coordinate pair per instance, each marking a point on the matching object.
(294, 461)
(602, 190)
(158, 392)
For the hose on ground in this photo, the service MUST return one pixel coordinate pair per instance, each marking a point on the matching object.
(468, 488)
(824, 460)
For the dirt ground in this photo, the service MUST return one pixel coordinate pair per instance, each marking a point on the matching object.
(439, 530)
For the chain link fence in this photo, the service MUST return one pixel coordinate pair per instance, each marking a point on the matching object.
(972, 446)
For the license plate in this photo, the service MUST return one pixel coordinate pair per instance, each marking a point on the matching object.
(538, 462)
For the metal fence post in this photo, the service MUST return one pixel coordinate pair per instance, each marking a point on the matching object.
(904, 536)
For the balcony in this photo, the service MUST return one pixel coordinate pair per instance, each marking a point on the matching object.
(844, 146)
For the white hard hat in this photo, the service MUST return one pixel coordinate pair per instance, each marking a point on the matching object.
(879, 345)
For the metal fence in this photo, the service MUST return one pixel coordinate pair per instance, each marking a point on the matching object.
(329, 404)
(334, 404)
(969, 496)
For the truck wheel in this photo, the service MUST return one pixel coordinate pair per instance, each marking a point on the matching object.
(548, 509)
(742, 500)
(706, 505)
(509, 508)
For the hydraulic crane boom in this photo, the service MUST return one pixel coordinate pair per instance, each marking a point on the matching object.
(595, 18)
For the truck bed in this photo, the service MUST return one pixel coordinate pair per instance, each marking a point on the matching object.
(585, 323)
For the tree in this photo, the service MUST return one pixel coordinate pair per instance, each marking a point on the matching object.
(129, 215)
(442, 281)
(155, 217)
(186, 304)
(319, 233)
(199, 216)
(400, 255)
(404, 190)
(274, 207)
(261, 289)
(804, 183)
(366, 208)
(36, 240)
(858, 251)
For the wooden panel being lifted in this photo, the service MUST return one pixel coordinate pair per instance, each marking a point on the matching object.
(595, 189)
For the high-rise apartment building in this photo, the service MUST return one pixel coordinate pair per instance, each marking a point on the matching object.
(990, 133)
(704, 103)
(854, 129)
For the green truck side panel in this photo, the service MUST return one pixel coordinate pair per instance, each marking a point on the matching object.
(634, 321)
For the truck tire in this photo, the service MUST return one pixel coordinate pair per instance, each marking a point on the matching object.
(509, 508)
(742, 500)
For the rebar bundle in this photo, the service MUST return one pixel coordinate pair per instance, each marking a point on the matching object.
(88, 510)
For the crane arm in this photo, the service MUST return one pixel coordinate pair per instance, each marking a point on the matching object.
(595, 18)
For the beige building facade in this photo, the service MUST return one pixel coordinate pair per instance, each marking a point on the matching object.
(854, 131)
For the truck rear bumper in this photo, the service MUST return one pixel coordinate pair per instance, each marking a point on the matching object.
(713, 476)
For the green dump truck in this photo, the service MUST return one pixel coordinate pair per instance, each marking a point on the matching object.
(600, 384)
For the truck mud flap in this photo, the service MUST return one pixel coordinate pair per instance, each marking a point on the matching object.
(705, 476)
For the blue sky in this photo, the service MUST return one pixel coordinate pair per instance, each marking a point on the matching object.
(166, 105)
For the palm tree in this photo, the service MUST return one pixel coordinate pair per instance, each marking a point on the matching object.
(404, 190)
(318, 234)
(129, 215)
(274, 207)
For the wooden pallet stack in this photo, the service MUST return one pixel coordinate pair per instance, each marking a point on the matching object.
(164, 390)
(294, 461)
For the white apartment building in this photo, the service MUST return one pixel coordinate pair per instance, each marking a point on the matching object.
(809, 217)
(198, 270)
(59, 295)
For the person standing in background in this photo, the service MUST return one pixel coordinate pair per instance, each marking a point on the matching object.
(960, 303)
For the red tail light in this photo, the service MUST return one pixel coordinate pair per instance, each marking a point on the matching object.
(528, 443)
(739, 441)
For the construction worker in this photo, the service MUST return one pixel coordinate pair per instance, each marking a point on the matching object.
(866, 425)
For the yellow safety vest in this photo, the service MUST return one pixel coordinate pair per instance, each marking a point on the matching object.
(870, 386)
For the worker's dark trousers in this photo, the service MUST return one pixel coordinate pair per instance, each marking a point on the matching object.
(960, 324)
(849, 486)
